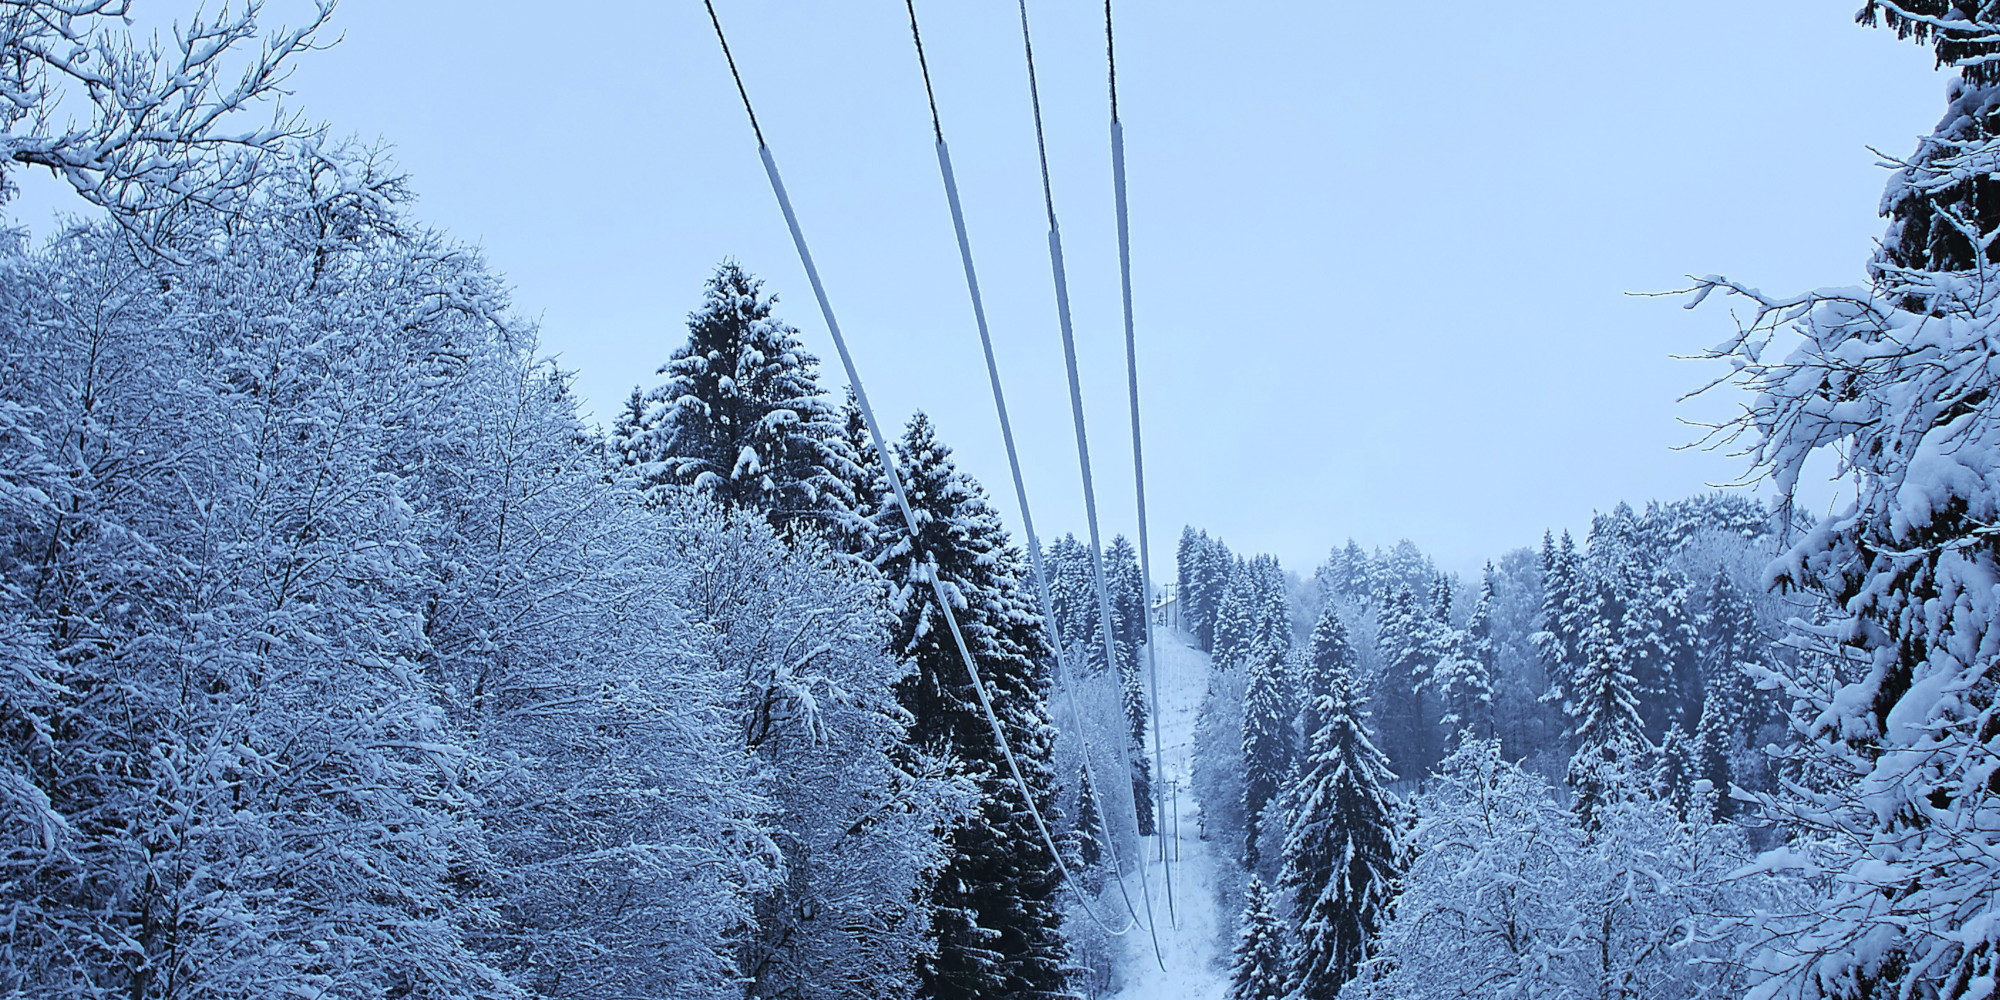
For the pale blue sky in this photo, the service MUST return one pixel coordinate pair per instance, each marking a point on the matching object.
(1380, 257)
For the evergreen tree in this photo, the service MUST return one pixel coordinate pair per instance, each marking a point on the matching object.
(1729, 644)
(1073, 599)
(1089, 833)
(1402, 645)
(1660, 642)
(1273, 613)
(744, 414)
(1268, 746)
(1605, 727)
(1129, 601)
(1237, 614)
(1257, 971)
(1340, 856)
(1204, 573)
(1347, 574)
(854, 533)
(1328, 658)
(995, 918)
(1464, 672)
(624, 446)
(1561, 624)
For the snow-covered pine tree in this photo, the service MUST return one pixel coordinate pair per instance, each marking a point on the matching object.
(1269, 745)
(1128, 593)
(1328, 657)
(625, 444)
(1073, 598)
(1273, 626)
(1603, 706)
(1236, 614)
(1402, 642)
(744, 415)
(1204, 569)
(1660, 642)
(1463, 677)
(1186, 569)
(1341, 855)
(1346, 574)
(1073, 601)
(1088, 830)
(1560, 628)
(996, 922)
(1730, 646)
(854, 532)
(1258, 967)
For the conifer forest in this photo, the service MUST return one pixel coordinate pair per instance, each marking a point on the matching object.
(351, 648)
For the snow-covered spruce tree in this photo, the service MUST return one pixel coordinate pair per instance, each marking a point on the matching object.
(863, 483)
(625, 448)
(1396, 703)
(1258, 968)
(1269, 743)
(1128, 597)
(1463, 677)
(743, 413)
(1328, 658)
(1236, 614)
(1073, 598)
(1730, 647)
(1660, 641)
(1273, 626)
(1560, 628)
(1204, 566)
(1341, 855)
(1603, 706)
(994, 914)
(1896, 379)
(1347, 573)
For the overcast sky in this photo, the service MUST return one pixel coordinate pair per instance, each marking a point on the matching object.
(1381, 259)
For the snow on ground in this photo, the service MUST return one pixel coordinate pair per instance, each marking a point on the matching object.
(1194, 946)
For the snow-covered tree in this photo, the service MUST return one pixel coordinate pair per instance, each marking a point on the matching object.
(744, 415)
(1269, 744)
(1507, 896)
(1463, 676)
(994, 914)
(1603, 706)
(1341, 855)
(1403, 644)
(1258, 968)
(1660, 641)
(625, 443)
(1894, 380)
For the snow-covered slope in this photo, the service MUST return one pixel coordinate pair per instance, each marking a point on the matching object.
(1194, 945)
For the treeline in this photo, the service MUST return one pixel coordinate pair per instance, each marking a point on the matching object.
(340, 657)
(1392, 751)
(1728, 756)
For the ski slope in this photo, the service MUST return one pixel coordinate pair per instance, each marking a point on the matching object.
(1193, 946)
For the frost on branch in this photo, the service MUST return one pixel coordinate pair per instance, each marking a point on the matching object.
(1898, 726)
(158, 133)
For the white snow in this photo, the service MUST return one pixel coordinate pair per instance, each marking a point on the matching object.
(1192, 945)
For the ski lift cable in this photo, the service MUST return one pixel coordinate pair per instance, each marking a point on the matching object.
(1034, 545)
(1076, 404)
(1138, 449)
(888, 462)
